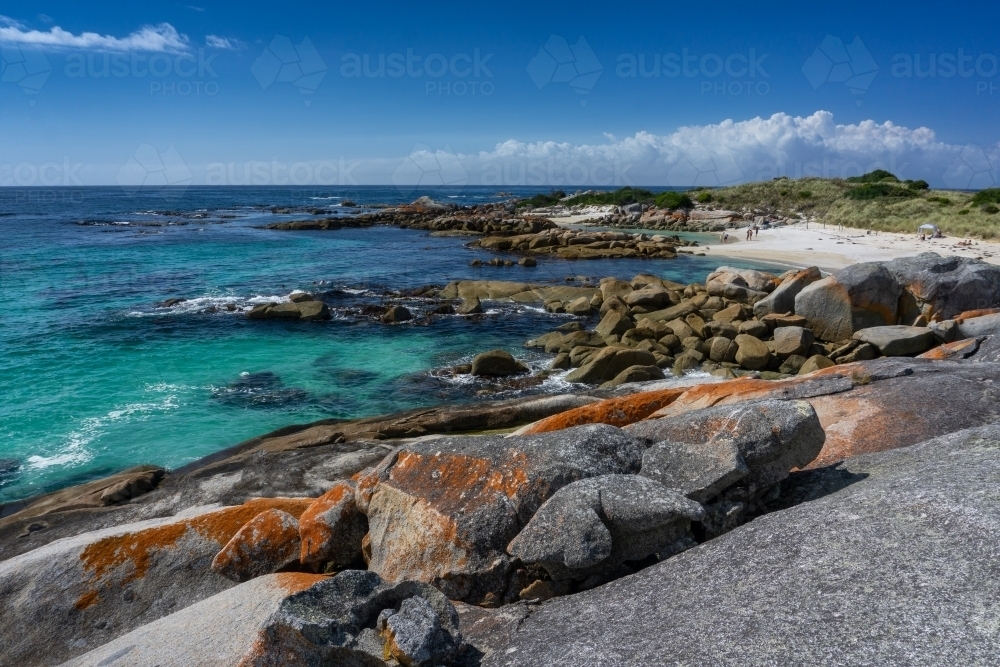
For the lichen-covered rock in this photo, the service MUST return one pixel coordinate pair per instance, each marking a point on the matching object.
(944, 287)
(700, 471)
(614, 411)
(595, 525)
(771, 436)
(896, 553)
(104, 583)
(444, 511)
(413, 635)
(332, 528)
(267, 543)
(860, 296)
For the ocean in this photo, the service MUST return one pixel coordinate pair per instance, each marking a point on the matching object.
(95, 377)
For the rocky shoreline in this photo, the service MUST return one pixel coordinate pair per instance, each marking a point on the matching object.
(839, 435)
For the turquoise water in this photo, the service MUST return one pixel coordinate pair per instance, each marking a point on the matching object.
(95, 377)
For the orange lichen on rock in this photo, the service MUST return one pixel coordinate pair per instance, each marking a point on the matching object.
(332, 527)
(959, 349)
(268, 542)
(88, 599)
(970, 314)
(451, 483)
(296, 582)
(615, 411)
(135, 551)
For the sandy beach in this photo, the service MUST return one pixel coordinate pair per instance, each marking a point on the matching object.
(831, 249)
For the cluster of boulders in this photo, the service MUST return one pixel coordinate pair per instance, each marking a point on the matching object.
(582, 244)
(300, 306)
(588, 511)
(743, 320)
(313, 224)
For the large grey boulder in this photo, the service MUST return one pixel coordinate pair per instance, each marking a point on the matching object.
(771, 436)
(443, 511)
(947, 286)
(782, 299)
(593, 526)
(353, 619)
(895, 561)
(497, 363)
(860, 296)
(985, 325)
(792, 340)
(897, 340)
(608, 363)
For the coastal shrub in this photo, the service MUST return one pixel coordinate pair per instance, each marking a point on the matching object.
(987, 196)
(878, 191)
(964, 211)
(918, 185)
(991, 209)
(673, 200)
(783, 193)
(621, 197)
(543, 200)
(704, 197)
(805, 194)
(877, 176)
(944, 201)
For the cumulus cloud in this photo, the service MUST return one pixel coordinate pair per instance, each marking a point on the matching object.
(162, 38)
(726, 153)
(216, 42)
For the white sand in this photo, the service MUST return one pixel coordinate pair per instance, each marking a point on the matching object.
(831, 249)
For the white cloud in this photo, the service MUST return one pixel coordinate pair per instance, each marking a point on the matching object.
(216, 42)
(159, 38)
(720, 154)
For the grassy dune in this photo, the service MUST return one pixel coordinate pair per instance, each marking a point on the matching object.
(832, 201)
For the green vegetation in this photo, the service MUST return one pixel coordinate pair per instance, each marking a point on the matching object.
(542, 200)
(988, 196)
(990, 209)
(704, 197)
(917, 185)
(884, 205)
(673, 200)
(877, 176)
(805, 194)
(868, 191)
(620, 197)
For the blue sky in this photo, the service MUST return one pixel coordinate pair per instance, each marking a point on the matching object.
(577, 93)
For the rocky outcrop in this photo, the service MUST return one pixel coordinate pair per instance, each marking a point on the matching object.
(102, 584)
(353, 619)
(609, 362)
(944, 287)
(497, 363)
(444, 511)
(520, 292)
(267, 543)
(855, 298)
(897, 341)
(593, 527)
(302, 310)
(332, 528)
(782, 299)
(895, 554)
